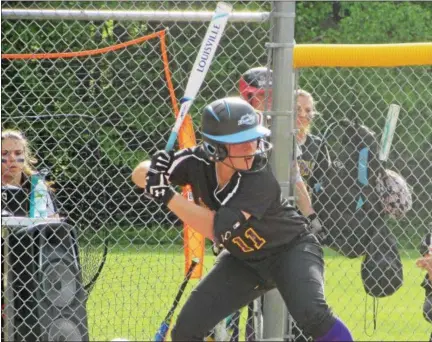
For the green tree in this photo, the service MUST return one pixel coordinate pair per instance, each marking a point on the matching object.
(381, 23)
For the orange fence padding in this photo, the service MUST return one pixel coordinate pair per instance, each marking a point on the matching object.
(194, 243)
(362, 55)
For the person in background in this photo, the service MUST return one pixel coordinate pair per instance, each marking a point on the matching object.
(17, 169)
(16, 172)
(425, 263)
(252, 86)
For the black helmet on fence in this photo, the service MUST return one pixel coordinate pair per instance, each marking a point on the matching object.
(232, 120)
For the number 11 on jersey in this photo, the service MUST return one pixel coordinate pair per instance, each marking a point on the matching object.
(252, 238)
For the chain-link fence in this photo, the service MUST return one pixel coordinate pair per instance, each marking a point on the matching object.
(91, 117)
(365, 95)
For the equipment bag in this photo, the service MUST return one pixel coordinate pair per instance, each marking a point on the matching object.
(345, 196)
(381, 269)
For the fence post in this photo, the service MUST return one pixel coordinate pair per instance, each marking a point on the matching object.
(282, 46)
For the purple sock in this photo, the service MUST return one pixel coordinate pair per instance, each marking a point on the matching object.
(338, 332)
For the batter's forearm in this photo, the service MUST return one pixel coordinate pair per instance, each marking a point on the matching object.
(303, 200)
(199, 218)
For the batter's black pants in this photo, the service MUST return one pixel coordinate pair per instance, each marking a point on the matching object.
(297, 272)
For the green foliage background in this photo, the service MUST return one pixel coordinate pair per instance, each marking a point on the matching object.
(129, 311)
(126, 94)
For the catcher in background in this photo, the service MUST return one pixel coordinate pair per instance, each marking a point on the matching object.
(267, 244)
(252, 88)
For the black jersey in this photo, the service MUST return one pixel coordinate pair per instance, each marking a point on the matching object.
(311, 160)
(273, 224)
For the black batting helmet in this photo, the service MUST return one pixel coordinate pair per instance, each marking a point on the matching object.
(231, 120)
(254, 81)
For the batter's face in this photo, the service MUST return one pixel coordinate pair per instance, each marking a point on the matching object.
(241, 156)
(13, 157)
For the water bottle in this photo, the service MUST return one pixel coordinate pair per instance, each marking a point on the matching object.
(38, 197)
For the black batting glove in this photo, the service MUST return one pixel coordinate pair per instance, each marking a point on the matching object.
(316, 227)
(158, 187)
(217, 248)
(162, 160)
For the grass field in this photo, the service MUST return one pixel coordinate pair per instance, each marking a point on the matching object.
(138, 285)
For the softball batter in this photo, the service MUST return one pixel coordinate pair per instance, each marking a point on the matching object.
(266, 241)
